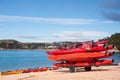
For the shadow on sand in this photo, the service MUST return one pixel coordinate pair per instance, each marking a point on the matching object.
(83, 70)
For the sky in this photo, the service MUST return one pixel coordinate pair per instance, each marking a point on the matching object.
(58, 20)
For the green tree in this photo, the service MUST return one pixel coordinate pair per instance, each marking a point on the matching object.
(115, 39)
(3, 45)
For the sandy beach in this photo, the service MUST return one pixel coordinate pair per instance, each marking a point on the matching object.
(97, 73)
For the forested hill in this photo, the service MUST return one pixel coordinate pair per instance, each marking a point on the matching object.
(114, 39)
(13, 44)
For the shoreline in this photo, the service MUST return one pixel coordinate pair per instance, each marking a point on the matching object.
(27, 49)
(97, 73)
(117, 51)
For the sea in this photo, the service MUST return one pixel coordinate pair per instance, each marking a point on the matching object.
(25, 59)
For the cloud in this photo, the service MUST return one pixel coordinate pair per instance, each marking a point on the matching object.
(30, 37)
(63, 21)
(4, 18)
(112, 11)
(81, 34)
(68, 36)
(112, 16)
(112, 5)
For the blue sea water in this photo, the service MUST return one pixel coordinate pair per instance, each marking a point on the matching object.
(24, 59)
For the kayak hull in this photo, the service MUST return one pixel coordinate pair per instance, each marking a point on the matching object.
(79, 50)
(80, 57)
(85, 64)
(12, 72)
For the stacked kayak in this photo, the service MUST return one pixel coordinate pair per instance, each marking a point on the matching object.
(83, 47)
(85, 64)
(84, 54)
(79, 50)
(77, 57)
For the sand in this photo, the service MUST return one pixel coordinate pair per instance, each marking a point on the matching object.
(97, 73)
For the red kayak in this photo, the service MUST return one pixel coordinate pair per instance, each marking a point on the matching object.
(85, 64)
(101, 42)
(80, 57)
(78, 50)
(85, 54)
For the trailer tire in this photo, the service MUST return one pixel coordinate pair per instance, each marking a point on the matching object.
(87, 68)
(72, 68)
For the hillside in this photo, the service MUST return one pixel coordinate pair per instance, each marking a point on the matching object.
(113, 39)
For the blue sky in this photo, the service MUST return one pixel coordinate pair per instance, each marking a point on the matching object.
(58, 20)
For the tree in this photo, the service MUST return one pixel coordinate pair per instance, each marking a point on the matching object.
(3, 45)
(115, 39)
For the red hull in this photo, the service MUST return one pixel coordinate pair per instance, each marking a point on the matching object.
(102, 42)
(85, 64)
(78, 50)
(83, 47)
(85, 54)
(80, 56)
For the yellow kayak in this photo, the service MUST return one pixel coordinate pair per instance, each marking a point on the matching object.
(12, 72)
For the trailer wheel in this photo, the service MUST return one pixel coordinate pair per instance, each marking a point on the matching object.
(72, 68)
(87, 68)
